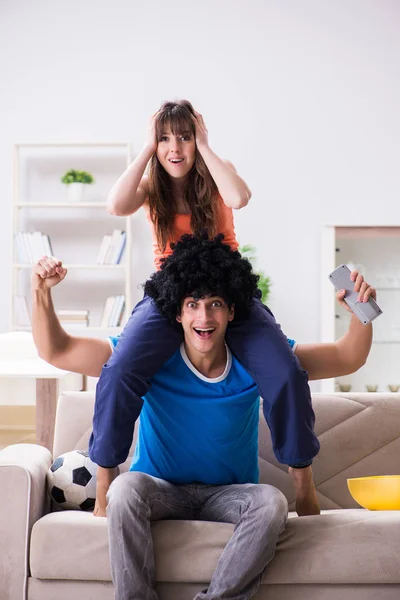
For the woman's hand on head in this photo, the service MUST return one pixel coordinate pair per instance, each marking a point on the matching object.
(201, 131)
(151, 137)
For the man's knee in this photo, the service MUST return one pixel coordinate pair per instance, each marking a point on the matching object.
(271, 503)
(129, 487)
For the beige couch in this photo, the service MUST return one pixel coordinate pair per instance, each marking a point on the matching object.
(346, 553)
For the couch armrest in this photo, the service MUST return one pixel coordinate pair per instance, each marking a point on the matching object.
(23, 500)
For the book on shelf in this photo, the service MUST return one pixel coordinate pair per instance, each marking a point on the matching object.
(105, 242)
(22, 316)
(112, 248)
(113, 311)
(73, 319)
(31, 247)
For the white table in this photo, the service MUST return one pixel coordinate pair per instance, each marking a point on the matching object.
(49, 379)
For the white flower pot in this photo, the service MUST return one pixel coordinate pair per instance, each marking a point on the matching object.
(76, 192)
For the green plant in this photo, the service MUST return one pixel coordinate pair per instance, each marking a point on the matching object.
(264, 283)
(73, 176)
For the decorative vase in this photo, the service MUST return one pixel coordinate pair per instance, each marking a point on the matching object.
(372, 388)
(394, 388)
(76, 192)
(345, 387)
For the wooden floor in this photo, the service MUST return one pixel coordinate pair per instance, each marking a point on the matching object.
(17, 425)
(16, 437)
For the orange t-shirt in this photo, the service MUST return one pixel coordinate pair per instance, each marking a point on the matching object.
(182, 226)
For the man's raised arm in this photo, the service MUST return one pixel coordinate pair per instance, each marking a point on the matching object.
(350, 352)
(54, 344)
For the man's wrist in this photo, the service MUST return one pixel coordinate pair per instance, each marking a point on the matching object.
(41, 293)
(355, 322)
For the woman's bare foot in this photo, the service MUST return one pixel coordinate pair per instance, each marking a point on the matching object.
(306, 495)
(105, 477)
(99, 509)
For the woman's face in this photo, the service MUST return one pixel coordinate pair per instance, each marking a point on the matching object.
(176, 152)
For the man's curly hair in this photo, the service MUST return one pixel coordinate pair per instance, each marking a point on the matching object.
(199, 267)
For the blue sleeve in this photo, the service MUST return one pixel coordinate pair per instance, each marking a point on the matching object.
(291, 343)
(113, 340)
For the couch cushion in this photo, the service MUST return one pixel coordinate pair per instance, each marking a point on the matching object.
(345, 546)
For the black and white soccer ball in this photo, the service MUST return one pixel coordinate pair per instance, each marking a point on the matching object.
(71, 481)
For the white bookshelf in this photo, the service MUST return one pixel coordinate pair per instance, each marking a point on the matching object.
(375, 251)
(75, 229)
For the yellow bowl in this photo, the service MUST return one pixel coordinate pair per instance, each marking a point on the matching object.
(381, 492)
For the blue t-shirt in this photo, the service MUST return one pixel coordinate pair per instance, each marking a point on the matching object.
(196, 429)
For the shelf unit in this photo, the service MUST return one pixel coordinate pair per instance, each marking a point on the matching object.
(375, 250)
(39, 203)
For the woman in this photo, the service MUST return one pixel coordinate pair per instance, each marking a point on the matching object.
(189, 189)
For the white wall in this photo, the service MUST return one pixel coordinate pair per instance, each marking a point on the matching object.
(302, 96)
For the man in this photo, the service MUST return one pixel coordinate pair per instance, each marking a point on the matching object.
(197, 450)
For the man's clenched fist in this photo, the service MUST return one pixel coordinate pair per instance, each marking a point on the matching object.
(47, 273)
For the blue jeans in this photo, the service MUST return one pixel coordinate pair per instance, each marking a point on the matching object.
(135, 500)
(149, 340)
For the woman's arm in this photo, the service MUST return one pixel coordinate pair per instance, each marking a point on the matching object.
(54, 344)
(131, 190)
(231, 187)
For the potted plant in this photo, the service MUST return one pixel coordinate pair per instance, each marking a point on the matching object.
(76, 181)
(264, 282)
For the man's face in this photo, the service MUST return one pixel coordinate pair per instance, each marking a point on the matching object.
(204, 322)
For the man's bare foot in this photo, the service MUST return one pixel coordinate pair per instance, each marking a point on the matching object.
(306, 495)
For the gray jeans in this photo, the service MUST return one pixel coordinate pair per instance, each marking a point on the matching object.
(135, 499)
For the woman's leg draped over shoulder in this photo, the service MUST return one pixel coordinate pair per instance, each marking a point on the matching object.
(262, 348)
(146, 343)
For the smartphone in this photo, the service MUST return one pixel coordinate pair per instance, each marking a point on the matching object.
(365, 311)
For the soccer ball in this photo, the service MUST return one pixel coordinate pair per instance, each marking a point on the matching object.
(71, 481)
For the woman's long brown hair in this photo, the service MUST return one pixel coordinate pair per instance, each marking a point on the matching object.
(200, 191)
